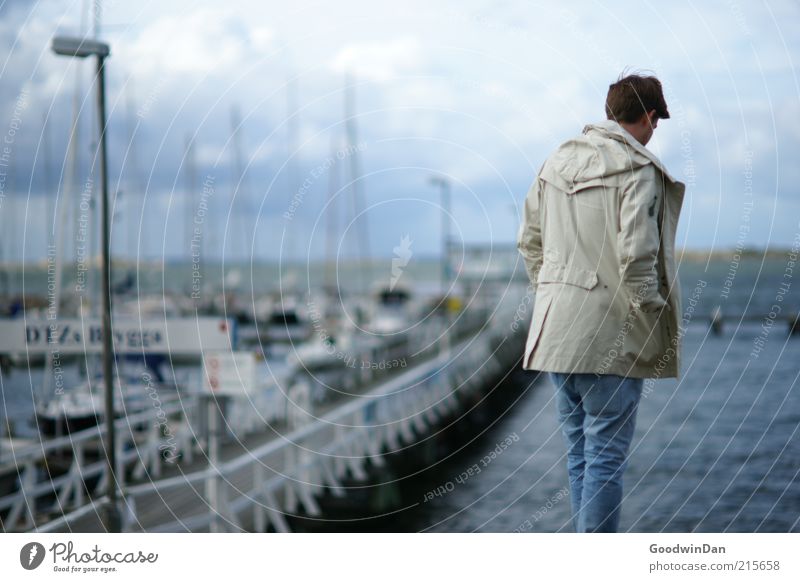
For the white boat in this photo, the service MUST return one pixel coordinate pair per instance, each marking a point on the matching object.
(83, 406)
(390, 312)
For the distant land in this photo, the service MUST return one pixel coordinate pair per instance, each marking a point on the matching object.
(729, 254)
(685, 254)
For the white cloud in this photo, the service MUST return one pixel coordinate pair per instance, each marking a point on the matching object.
(453, 84)
(379, 61)
(207, 39)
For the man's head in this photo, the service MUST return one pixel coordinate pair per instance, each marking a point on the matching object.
(637, 102)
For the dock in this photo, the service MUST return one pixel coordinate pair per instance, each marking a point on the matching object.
(245, 465)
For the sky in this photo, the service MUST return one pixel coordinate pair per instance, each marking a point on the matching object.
(478, 93)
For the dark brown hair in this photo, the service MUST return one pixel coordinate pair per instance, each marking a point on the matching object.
(634, 95)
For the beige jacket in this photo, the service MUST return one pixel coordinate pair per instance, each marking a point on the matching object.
(598, 239)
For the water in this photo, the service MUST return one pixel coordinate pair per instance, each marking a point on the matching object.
(156, 278)
(749, 286)
(717, 450)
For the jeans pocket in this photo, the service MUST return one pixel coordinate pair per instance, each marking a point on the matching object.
(608, 396)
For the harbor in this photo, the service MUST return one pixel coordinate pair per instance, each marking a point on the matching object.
(222, 395)
(262, 271)
(253, 424)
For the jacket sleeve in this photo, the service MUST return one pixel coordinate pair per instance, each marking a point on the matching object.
(638, 238)
(529, 238)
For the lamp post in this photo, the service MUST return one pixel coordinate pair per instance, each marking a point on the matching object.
(444, 188)
(81, 48)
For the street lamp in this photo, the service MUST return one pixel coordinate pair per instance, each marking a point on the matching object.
(444, 187)
(69, 46)
(81, 48)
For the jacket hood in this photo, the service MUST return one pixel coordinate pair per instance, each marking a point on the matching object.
(604, 149)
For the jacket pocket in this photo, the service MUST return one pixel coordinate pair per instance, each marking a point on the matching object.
(540, 309)
(552, 272)
(644, 341)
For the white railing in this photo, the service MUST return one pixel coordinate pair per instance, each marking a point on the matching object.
(320, 454)
(401, 406)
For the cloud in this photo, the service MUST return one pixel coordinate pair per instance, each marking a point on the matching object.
(482, 92)
(206, 40)
(379, 61)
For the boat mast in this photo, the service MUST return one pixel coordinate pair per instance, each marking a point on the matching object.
(191, 185)
(351, 151)
(47, 157)
(237, 182)
(69, 187)
(332, 222)
(95, 252)
(291, 169)
(132, 184)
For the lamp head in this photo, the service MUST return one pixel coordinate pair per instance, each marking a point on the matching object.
(79, 47)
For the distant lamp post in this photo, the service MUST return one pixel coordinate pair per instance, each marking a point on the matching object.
(81, 48)
(444, 188)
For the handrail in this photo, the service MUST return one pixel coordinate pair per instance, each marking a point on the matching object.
(464, 333)
(52, 526)
(42, 447)
(294, 436)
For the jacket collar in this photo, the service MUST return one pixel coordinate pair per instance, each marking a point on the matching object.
(615, 131)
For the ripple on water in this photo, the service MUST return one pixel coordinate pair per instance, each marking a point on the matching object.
(715, 451)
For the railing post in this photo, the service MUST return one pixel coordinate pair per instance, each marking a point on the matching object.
(259, 512)
(79, 493)
(155, 442)
(212, 481)
(27, 481)
(119, 459)
(30, 515)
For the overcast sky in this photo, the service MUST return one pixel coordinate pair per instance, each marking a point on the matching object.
(478, 92)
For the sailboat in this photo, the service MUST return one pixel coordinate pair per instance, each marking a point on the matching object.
(83, 406)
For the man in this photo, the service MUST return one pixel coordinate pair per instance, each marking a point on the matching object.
(598, 239)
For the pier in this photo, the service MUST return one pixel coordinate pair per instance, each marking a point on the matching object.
(243, 462)
(718, 320)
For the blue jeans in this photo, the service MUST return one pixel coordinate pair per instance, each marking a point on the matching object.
(597, 413)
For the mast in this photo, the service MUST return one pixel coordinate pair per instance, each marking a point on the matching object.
(11, 201)
(191, 185)
(131, 172)
(332, 222)
(351, 151)
(291, 165)
(48, 181)
(94, 281)
(237, 182)
(69, 188)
